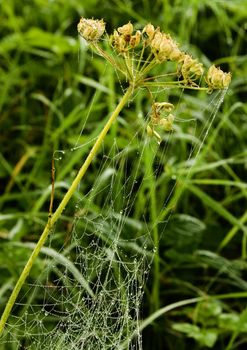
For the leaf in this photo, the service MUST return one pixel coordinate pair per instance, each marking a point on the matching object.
(229, 321)
(183, 233)
(205, 337)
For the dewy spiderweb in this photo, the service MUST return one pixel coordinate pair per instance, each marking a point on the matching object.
(90, 291)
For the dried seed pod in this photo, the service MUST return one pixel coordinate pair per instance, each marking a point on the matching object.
(91, 29)
(157, 40)
(126, 29)
(191, 69)
(149, 30)
(217, 79)
(164, 106)
(167, 123)
(118, 42)
(164, 47)
(135, 39)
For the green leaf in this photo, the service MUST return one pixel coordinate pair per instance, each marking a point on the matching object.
(205, 337)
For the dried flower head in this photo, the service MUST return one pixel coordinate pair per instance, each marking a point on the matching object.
(164, 47)
(141, 51)
(163, 106)
(91, 29)
(126, 29)
(118, 42)
(123, 38)
(217, 79)
(167, 123)
(191, 69)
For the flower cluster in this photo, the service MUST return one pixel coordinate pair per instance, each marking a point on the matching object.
(123, 38)
(191, 69)
(162, 45)
(140, 51)
(217, 79)
(162, 117)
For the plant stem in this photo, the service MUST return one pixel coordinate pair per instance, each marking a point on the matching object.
(53, 219)
(149, 161)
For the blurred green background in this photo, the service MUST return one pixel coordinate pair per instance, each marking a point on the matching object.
(47, 86)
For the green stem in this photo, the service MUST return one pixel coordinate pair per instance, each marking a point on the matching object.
(149, 160)
(53, 219)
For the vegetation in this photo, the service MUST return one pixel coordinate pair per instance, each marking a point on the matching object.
(51, 86)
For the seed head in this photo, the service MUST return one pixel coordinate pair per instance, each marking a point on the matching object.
(126, 29)
(91, 29)
(123, 38)
(191, 69)
(167, 123)
(217, 79)
(164, 47)
(118, 42)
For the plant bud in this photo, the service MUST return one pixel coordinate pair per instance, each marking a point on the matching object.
(90, 29)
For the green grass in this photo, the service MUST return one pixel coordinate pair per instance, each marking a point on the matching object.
(50, 87)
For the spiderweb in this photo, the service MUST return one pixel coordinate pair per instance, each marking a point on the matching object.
(90, 291)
